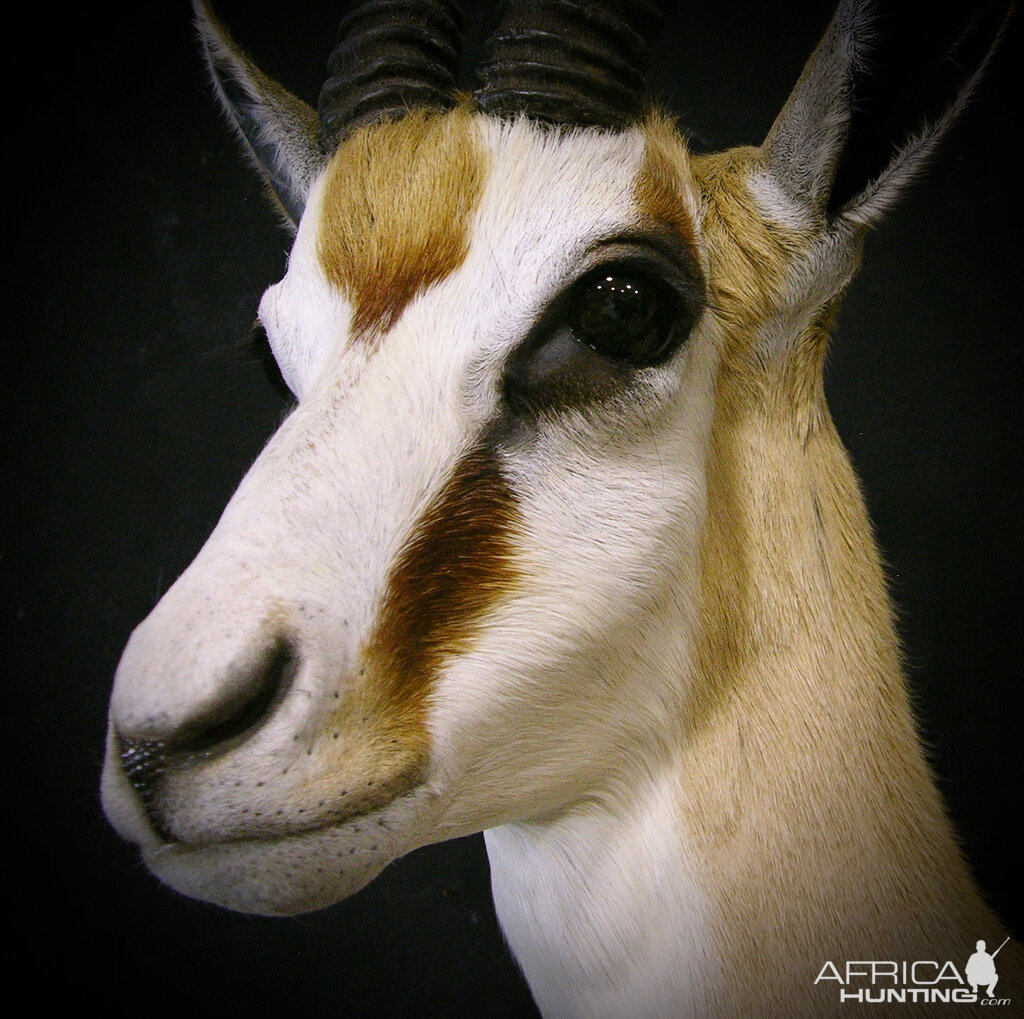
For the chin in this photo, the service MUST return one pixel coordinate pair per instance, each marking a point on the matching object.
(281, 877)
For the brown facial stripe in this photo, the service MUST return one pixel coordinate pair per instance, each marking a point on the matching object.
(458, 563)
(660, 189)
(397, 208)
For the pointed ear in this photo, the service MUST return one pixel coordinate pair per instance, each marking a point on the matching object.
(277, 130)
(872, 104)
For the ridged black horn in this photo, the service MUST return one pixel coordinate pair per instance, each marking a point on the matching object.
(569, 61)
(391, 56)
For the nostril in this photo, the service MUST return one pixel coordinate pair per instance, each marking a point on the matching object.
(143, 762)
(242, 707)
(241, 701)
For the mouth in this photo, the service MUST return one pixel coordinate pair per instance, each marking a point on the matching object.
(279, 869)
(300, 871)
(282, 876)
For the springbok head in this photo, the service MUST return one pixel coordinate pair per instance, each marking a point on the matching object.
(467, 581)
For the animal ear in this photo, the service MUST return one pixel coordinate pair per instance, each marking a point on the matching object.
(277, 130)
(872, 104)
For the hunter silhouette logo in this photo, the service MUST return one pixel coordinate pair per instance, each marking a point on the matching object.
(926, 981)
(981, 969)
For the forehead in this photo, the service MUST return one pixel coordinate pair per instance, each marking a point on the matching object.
(408, 204)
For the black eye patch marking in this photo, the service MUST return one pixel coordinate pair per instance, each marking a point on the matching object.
(630, 311)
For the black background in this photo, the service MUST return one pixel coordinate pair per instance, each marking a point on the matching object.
(139, 245)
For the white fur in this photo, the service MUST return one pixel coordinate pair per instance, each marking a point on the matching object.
(306, 319)
(560, 729)
(316, 525)
(601, 910)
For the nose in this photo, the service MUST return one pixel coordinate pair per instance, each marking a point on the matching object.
(242, 701)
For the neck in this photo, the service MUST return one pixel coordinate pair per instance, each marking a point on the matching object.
(602, 909)
(798, 822)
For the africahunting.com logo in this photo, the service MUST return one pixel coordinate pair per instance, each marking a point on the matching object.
(878, 981)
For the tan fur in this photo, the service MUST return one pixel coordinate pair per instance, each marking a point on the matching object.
(398, 204)
(660, 189)
(813, 831)
(816, 825)
(364, 757)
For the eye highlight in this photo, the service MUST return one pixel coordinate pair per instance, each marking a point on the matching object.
(627, 315)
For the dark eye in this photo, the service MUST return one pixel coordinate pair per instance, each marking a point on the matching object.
(629, 313)
(628, 316)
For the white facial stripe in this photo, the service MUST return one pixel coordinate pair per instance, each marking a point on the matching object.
(600, 496)
(549, 197)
